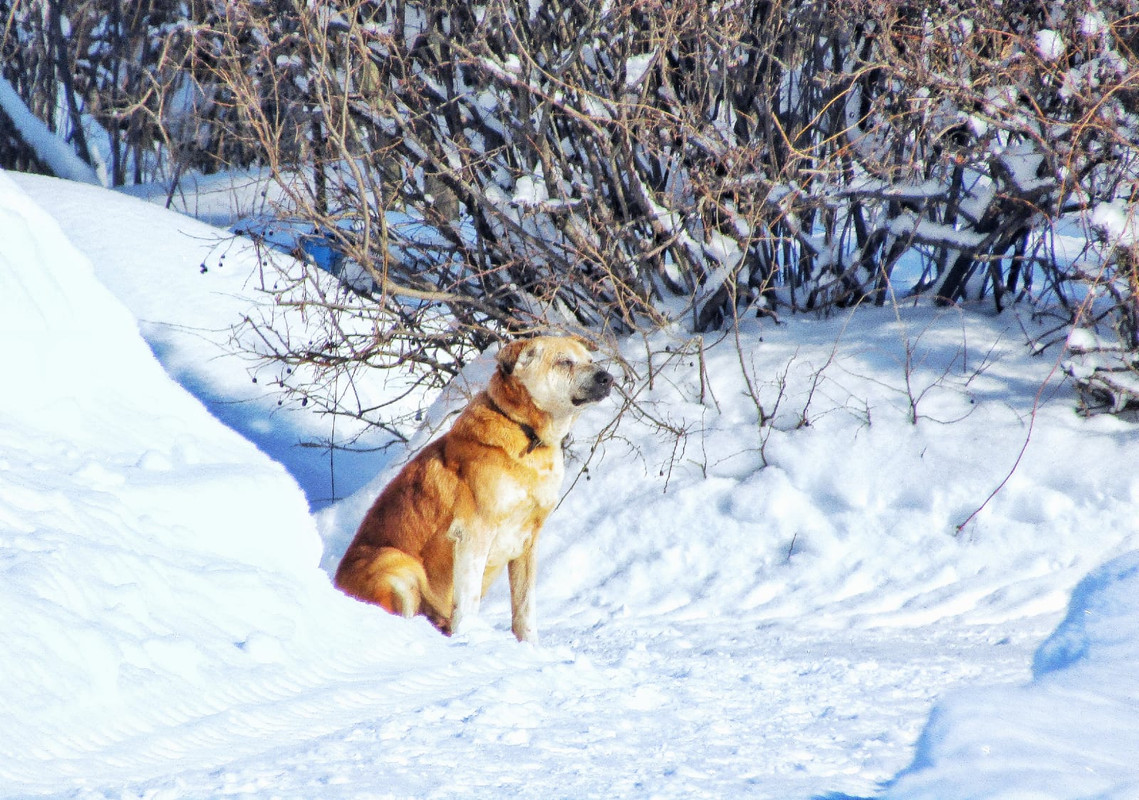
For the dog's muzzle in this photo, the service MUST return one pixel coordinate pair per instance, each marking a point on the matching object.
(596, 388)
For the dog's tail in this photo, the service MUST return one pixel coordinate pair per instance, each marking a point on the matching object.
(392, 579)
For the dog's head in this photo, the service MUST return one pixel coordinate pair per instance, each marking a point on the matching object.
(557, 371)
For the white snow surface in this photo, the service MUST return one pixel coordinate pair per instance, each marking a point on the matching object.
(187, 284)
(780, 612)
(1074, 733)
(1116, 222)
(1050, 44)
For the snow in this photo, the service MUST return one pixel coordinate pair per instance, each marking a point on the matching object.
(636, 67)
(49, 148)
(909, 225)
(726, 610)
(1093, 23)
(511, 66)
(209, 282)
(1022, 160)
(1116, 222)
(530, 191)
(1050, 44)
(972, 746)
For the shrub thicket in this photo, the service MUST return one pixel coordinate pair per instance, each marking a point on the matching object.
(511, 164)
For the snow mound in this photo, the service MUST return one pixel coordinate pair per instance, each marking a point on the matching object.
(159, 583)
(188, 284)
(1102, 624)
(1073, 732)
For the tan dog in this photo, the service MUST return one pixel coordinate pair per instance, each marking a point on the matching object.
(474, 500)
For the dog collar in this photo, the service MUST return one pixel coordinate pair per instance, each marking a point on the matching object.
(531, 434)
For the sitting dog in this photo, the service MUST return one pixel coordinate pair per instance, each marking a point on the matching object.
(474, 500)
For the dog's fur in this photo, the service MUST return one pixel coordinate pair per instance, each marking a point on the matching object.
(474, 500)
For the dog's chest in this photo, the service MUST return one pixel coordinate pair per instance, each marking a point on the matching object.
(523, 503)
(510, 541)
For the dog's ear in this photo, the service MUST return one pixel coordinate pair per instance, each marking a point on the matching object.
(520, 351)
(588, 344)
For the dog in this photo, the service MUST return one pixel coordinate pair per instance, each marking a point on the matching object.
(474, 500)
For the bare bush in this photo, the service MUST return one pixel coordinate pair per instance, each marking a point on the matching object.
(110, 77)
(476, 169)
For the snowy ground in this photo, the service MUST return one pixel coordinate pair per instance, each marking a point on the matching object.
(712, 626)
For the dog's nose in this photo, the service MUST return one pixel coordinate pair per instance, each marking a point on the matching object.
(602, 378)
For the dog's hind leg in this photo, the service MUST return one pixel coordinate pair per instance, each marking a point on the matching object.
(397, 589)
(390, 578)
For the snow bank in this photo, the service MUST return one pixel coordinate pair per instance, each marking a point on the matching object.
(188, 283)
(1072, 732)
(160, 594)
(149, 552)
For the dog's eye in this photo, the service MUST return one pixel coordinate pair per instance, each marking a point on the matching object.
(564, 363)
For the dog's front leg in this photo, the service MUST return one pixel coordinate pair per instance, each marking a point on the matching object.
(523, 577)
(471, 553)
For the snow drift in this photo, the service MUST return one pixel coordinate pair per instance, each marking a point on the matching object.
(1072, 732)
(161, 597)
(187, 284)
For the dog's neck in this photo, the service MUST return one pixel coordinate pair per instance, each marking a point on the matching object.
(514, 403)
(535, 441)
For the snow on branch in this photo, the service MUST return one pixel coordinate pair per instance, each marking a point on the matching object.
(926, 231)
(1105, 372)
(49, 148)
